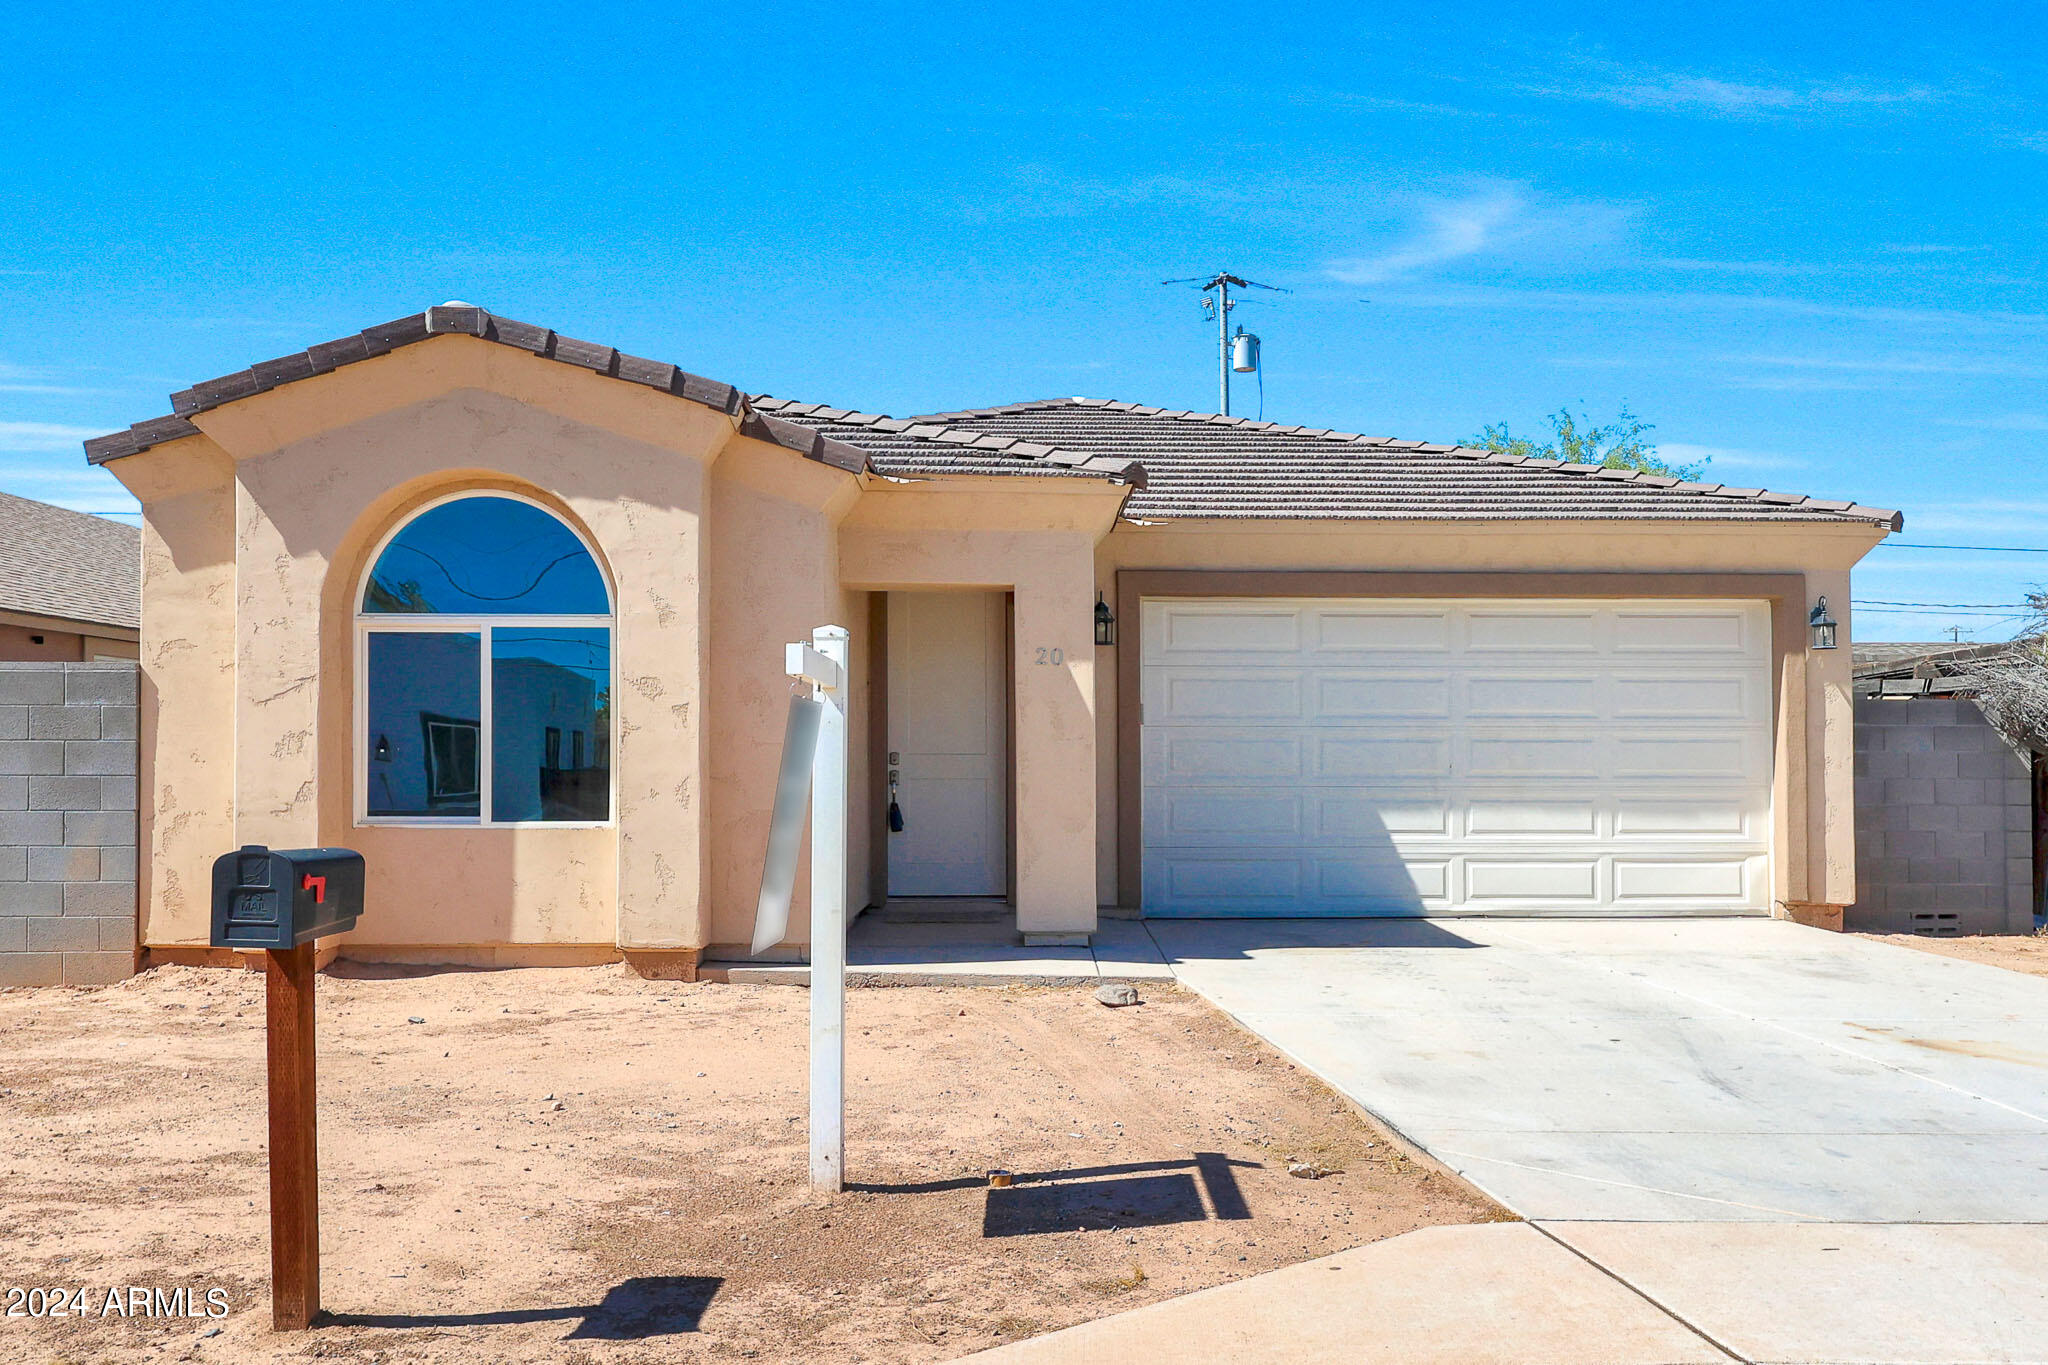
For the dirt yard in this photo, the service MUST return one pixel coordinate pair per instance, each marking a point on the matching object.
(2018, 952)
(581, 1166)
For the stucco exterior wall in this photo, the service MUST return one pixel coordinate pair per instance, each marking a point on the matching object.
(721, 550)
(32, 642)
(281, 535)
(774, 579)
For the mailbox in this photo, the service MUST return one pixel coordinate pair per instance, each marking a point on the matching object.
(281, 898)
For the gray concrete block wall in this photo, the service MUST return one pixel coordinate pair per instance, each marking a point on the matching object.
(1944, 821)
(67, 823)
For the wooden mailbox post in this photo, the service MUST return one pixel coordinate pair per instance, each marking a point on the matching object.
(281, 901)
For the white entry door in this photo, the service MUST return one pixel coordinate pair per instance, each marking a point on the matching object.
(1405, 757)
(948, 738)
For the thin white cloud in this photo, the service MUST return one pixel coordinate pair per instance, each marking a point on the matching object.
(67, 481)
(40, 436)
(1899, 364)
(1571, 300)
(1493, 221)
(2011, 421)
(1729, 459)
(1384, 104)
(1660, 90)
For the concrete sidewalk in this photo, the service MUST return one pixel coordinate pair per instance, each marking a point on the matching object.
(1477, 1295)
(1622, 1293)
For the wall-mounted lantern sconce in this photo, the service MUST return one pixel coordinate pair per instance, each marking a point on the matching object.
(1822, 625)
(383, 750)
(1105, 622)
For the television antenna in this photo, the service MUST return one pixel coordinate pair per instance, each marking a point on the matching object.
(1240, 353)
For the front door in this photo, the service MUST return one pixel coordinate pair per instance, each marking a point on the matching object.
(948, 742)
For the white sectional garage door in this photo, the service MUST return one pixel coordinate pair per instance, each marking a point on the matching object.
(1408, 757)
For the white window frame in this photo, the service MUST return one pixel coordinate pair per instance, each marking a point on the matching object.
(436, 623)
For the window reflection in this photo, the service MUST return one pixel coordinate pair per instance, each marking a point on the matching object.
(486, 556)
(424, 723)
(550, 701)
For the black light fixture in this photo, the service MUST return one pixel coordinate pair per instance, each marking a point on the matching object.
(1105, 622)
(1822, 625)
(382, 753)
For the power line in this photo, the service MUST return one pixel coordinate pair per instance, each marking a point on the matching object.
(1881, 602)
(1989, 549)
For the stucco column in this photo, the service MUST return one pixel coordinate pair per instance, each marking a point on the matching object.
(277, 670)
(1831, 762)
(1054, 661)
(186, 697)
(660, 559)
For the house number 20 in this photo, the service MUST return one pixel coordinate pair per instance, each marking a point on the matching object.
(1054, 655)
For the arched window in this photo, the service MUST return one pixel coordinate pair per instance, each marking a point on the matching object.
(484, 671)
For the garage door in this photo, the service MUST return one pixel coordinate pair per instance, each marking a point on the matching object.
(1363, 757)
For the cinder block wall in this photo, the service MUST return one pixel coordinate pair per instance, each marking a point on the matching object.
(67, 823)
(1944, 820)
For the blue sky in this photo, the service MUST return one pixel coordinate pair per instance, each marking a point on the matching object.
(1806, 241)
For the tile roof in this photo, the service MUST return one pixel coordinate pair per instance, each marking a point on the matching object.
(1182, 464)
(56, 562)
(1198, 465)
(916, 448)
(920, 446)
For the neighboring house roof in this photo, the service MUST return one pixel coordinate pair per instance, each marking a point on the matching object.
(59, 563)
(1198, 465)
(925, 450)
(1887, 656)
(1943, 669)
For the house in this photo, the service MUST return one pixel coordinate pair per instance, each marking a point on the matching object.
(1110, 659)
(69, 584)
(1951, 818)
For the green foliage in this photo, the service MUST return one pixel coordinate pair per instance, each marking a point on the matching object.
(1621, 444)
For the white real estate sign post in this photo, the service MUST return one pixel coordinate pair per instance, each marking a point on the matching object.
(822, 663)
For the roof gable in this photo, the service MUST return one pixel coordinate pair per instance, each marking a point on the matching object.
(933, 450)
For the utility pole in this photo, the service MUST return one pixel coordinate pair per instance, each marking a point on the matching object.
(1221, 284)
(1221, 305)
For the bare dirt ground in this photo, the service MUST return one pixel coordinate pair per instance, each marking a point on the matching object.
(2018, 952)
(581, 1166)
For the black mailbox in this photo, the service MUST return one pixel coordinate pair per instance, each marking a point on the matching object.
(280, 898)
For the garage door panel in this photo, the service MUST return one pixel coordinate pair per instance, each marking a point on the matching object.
(1201, 633)
(1529, 816)
(1349, 756)
(1544, 631)
(1530, 879)
(1685, 759)
(1727, 817)
(1269, 881)
(1211, 816)
(1531, 756)
(1355, 816)
(1509, 696)
(1693, 632)
(1666, 879)
(1342, 630)
(1217, 756)
(1731, 698)
(1501, 757)
(1188, 696)
(1417, 883)
(1341, 697)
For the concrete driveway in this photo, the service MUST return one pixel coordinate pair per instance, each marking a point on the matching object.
(1710, 1070)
